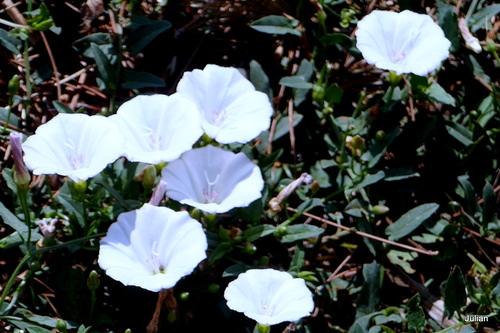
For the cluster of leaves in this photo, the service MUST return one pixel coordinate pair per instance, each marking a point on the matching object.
(398, 227)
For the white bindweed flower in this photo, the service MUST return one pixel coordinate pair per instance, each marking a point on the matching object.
(152, 247)
(73, 145)
(404, 42)
(269, 296)
(213, 180)
(158, 128)
(230, 107)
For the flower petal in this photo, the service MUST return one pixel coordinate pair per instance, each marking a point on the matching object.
(404, 42)
(230, 107)
(152, 247)
(73, 145)
(213, 180)
(158, 128)
(269, 296)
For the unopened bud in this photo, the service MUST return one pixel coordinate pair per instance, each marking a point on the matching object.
(149, 176)
(61, 326)
(13, 86)
(93, 281)
(380, 209)
(491, 46)
(21, 175)
(158, 193)
(394, 78)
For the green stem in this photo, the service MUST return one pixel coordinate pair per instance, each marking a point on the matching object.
(23, 199)
(13, 25)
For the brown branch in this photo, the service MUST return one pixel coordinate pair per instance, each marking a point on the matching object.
(364, 234)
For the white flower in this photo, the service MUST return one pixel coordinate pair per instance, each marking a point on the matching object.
(404, 42)
(73, 145)
(230, 107)
(152, 247)
(158, 128)
(269, 296)
(213, 179)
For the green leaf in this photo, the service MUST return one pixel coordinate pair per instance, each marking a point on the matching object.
(481, 18)
(220, 251)
(489, 205)
(72, 207)
(301, 231)
(275, 24)
(486, 110)
(82, 44)
(462, 134)
(333, 94)
(14, 120)
(438, 94)
(236, 270)
(449, 23)
(10, 43)
(104, 66)
(416, 316)
(469, 194)
(259, 79)
(368, 180)
(369, 296)
(454, 292)
(296, 81)
(139, 80)
(410, 221)
(12, 221)
(336, 38)
(283, 126)
(402, 259)
(61, 107)
(259, 231)
(144, 32)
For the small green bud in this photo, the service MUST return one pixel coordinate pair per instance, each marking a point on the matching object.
(328, 110)
(474, 113)
(128, 330)
(454, 204)
(380, 209)
(263, 261)
(380, 135)
(61, 326)
(149, 177)
(250, 249)
(93, 281)
(280, 231)
(318, 93)
(184, 296)
(13, 86)
(195, 214)
(213, 288)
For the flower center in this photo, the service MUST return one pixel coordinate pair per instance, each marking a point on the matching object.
(154, 141)
(209, 192)
(218, 116)
(153, 261)
(75, 159)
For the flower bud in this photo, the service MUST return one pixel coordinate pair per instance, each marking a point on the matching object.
(21, 175)
(158, 193)
(61, 326)
(250, 249)
(149, 176)
(380, 209)
(184, 296)
(13, 86)
(280, 231)
(93, 281)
